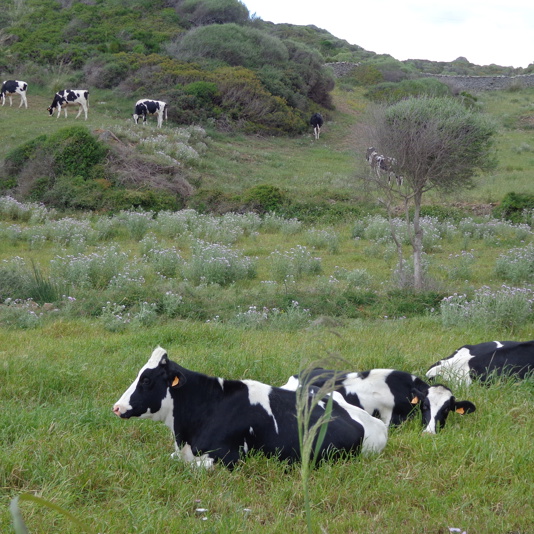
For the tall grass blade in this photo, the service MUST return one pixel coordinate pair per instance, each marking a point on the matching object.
(18, 522)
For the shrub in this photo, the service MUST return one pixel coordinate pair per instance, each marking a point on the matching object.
(14, 279)
(231, 44)
(390, 93)
(76, 151)
(513, 206)
(291, 318)
(507, 306)
(295, 263)
(264, 198)
(212, 263)
(461, 265)
(516, 265)
(204, 92)
(203, 12)
(323, 239)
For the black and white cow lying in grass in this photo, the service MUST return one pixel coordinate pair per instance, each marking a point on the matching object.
(70, 97)
(486, 360)
(392, 395)
(217, 420)
(14, 87)
(317, 122)
(146, 107)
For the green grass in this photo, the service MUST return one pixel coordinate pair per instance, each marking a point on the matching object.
(59, 438)
(59, 380)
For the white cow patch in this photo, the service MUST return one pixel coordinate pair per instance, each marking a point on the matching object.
(155, 359)
(203, 461)
(455, 368)
(437, 396)
(373, 392)
(376, 431)
(258, 393)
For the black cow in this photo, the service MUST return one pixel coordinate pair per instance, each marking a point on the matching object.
(150, 107)
(14, 87)
(392, 395)
(316, 121)
(221, 420)
(485, 360)
(70, 97)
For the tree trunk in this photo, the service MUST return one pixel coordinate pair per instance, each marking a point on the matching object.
(417, 244)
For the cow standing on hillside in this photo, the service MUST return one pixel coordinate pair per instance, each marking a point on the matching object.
(14, 87)
(383, 165)
(146, 107)
(316, 121)
(221, 420)
(70, 97)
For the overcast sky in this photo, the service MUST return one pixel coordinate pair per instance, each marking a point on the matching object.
(482, 31)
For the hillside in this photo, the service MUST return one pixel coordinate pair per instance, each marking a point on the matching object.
(240, 92)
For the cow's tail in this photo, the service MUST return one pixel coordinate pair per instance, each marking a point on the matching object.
(166, 108)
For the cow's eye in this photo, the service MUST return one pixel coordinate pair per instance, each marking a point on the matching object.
(145, 381)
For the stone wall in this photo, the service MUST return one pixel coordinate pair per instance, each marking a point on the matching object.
(473, 84)
(484, 83)
(342, 68)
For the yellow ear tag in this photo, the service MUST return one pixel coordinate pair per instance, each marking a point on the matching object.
(415, 400)
(461, 411)
(175, 382)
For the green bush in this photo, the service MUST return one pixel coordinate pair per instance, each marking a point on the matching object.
(264, 198)
(203, 12)
(513, 206)
(232, 45)
(76, 151)
(205, 92)
(19, 156)
(389, 92)
(149, 199)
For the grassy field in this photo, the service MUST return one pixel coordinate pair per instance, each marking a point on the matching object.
(61, 373)
(61, 441)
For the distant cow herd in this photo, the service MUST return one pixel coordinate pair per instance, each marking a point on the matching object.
(80, 97)
(218, 420)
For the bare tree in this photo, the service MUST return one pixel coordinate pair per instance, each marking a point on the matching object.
(428, 143)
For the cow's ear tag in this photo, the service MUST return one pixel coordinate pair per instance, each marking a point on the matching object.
(461, 411)
(175, 382)
(415, 400)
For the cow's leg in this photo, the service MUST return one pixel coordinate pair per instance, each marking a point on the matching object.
(160, 119)
(79, 111)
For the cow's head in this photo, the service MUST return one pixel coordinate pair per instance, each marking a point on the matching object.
(436, 405)
(149, 396)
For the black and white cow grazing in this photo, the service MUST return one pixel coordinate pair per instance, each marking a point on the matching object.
(392, 395)
(70, 97)
(383, 165)
(14, 87)
(316, 121)
(221, 420)
(485, 360)
(150, 107)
